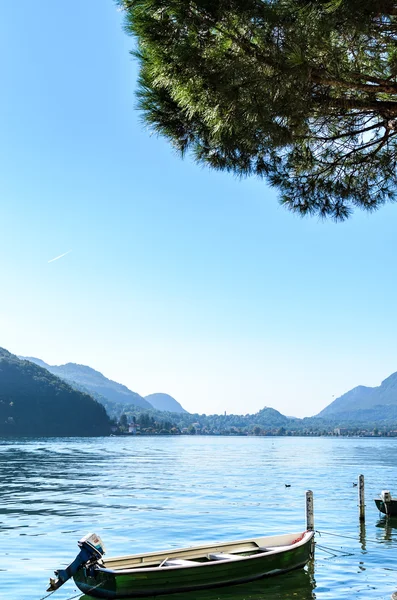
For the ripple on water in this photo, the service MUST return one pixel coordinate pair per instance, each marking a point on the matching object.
(146, 493)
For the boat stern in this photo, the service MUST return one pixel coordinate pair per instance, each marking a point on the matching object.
(92, 549)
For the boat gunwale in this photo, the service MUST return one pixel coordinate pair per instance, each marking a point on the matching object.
(307, 536)
(256, 541)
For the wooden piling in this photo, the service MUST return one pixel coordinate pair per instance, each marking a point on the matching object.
(361, 500)
(309, 511)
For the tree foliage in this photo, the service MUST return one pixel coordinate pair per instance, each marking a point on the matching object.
(300, 92)
(267, 421)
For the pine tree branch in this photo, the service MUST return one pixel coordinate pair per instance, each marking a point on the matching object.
(380, 87)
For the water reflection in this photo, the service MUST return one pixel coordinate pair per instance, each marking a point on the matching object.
(296, 584)
(363, 532)
(388, 524)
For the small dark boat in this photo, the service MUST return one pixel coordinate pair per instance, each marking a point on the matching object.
(187, 569)
(386, 504)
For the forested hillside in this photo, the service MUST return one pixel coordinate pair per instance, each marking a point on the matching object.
(33, 402)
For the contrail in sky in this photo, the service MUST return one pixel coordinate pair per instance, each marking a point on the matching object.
(60, 256)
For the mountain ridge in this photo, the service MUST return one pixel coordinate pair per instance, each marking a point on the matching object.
(361, 403)
(362, 398)
(94, 381)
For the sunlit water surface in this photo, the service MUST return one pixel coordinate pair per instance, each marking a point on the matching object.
(153, 493)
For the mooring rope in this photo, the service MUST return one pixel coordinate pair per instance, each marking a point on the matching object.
(327, 551)
(50, 594)
(333, 551)
(77, 595)
(349, 537)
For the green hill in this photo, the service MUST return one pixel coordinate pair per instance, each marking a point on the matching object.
(33, 402)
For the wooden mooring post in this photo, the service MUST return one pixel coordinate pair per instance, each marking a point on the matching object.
(309, 511)
(361, 498)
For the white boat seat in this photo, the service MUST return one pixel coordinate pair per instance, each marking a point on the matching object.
(178, 562)
(270, 548)
(223, 556)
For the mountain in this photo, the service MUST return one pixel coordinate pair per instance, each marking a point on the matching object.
(33, 402)
(165, 402)
(94, 382)
(364, 398)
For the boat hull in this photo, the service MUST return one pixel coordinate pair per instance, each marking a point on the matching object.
(138, 583)
(389, 508)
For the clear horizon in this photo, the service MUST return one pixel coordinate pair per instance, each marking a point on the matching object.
(162, 275)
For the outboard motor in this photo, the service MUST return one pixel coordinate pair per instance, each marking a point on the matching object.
(386, 498)
(92, 549)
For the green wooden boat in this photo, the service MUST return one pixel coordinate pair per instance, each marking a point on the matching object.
(182, 570)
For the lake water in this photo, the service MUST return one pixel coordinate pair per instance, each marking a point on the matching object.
(149, 493)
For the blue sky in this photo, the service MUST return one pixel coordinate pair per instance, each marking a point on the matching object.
(179, 279)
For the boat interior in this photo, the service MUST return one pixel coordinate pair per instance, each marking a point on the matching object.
(197, 555)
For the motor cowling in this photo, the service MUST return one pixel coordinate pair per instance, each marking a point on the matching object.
(386, 496)
(92, 549)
